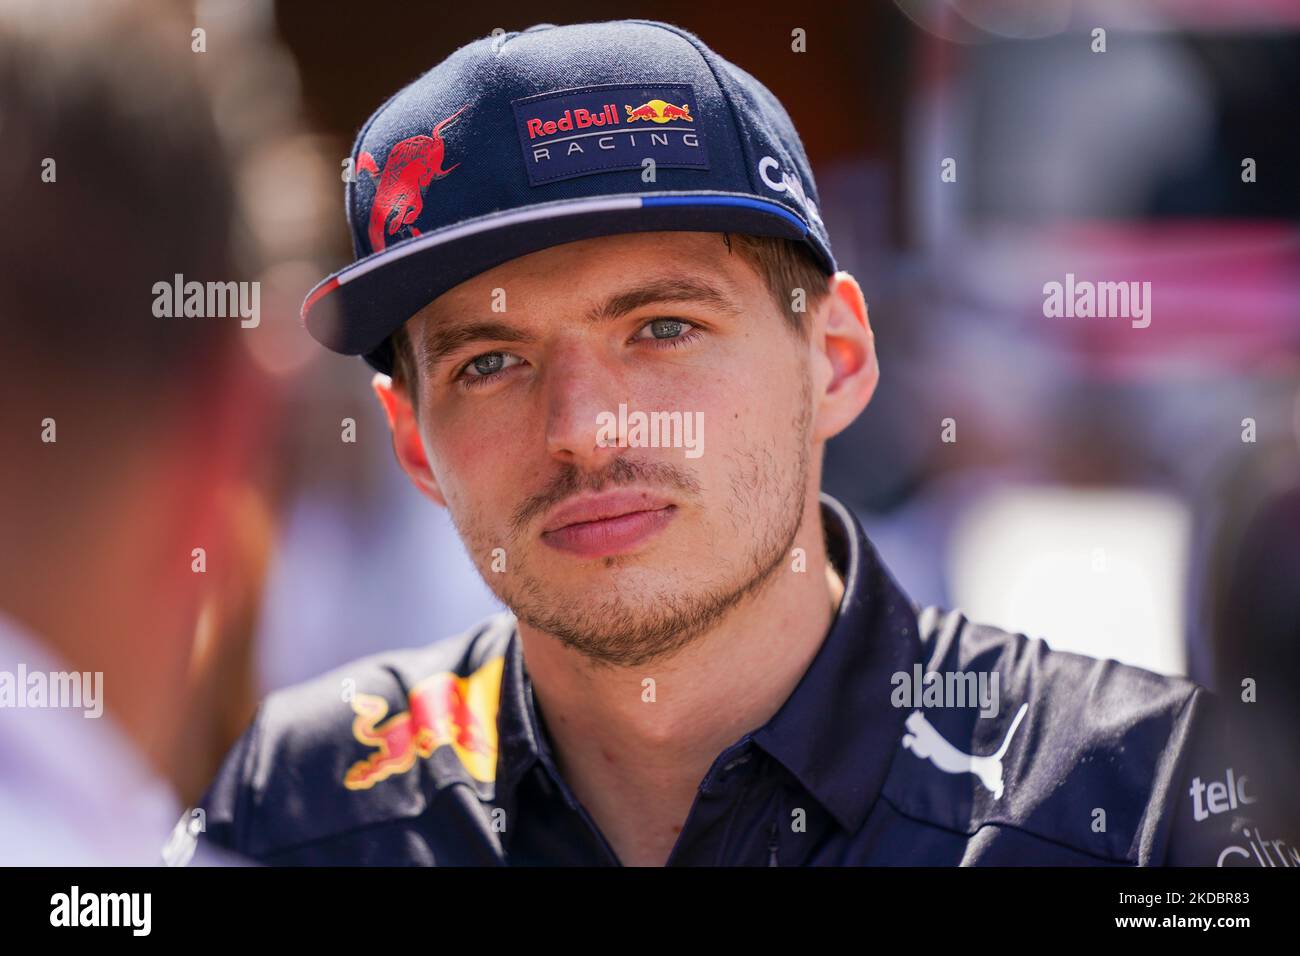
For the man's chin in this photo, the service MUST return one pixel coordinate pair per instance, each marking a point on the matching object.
(630, 615)
(621, 633)
(636, 582)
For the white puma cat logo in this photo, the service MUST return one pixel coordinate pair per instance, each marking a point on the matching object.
(925, 741)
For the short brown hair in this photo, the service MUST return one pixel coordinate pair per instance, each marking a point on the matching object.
(784, 264)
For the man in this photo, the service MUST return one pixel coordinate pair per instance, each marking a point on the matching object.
(591, 261)
(124, 433)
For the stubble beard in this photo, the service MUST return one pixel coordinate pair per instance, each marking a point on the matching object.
(633, 629)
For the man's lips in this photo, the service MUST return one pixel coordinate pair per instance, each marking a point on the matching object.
(598, 526)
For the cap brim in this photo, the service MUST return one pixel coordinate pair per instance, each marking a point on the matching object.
(355, 310)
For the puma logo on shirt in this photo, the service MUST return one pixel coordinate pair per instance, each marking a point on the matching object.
(927, 743)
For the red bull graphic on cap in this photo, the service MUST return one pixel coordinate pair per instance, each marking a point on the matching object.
(399, 198)
(444, 710)
(657, 111)
(600, 129)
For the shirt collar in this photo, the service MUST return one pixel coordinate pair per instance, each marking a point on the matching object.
(837, 732)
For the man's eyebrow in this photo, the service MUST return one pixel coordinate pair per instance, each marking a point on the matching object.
(667, 289)
(444, 340)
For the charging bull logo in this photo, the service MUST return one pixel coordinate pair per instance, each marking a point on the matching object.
(399, 198)
(444, 710)
(659, 111)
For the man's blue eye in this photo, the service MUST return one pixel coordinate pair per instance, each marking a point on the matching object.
(487, 364)
(666, 328)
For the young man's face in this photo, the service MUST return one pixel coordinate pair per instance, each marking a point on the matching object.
(625, 553)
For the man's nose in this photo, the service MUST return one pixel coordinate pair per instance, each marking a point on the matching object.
(580, 389)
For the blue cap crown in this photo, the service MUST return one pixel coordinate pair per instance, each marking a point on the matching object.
(522, 141)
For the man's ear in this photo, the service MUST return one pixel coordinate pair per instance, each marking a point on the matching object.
(408, 447)
(845, 354)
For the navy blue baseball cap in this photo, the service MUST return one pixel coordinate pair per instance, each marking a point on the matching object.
(522, 141)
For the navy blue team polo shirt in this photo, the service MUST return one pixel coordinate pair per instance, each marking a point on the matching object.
(440, 756)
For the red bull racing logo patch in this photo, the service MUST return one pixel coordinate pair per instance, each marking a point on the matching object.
(600, 129)
(444, 710)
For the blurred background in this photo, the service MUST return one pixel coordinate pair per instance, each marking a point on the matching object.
(1124, 492)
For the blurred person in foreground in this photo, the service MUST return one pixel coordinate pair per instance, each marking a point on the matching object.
(1250, 598)
(123, 431)
(560, 233)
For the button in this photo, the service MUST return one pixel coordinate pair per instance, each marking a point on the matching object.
(726, 770)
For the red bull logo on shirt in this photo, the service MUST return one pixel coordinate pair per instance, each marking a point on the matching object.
(443, 710)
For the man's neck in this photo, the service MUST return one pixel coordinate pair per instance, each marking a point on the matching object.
(635, 752)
